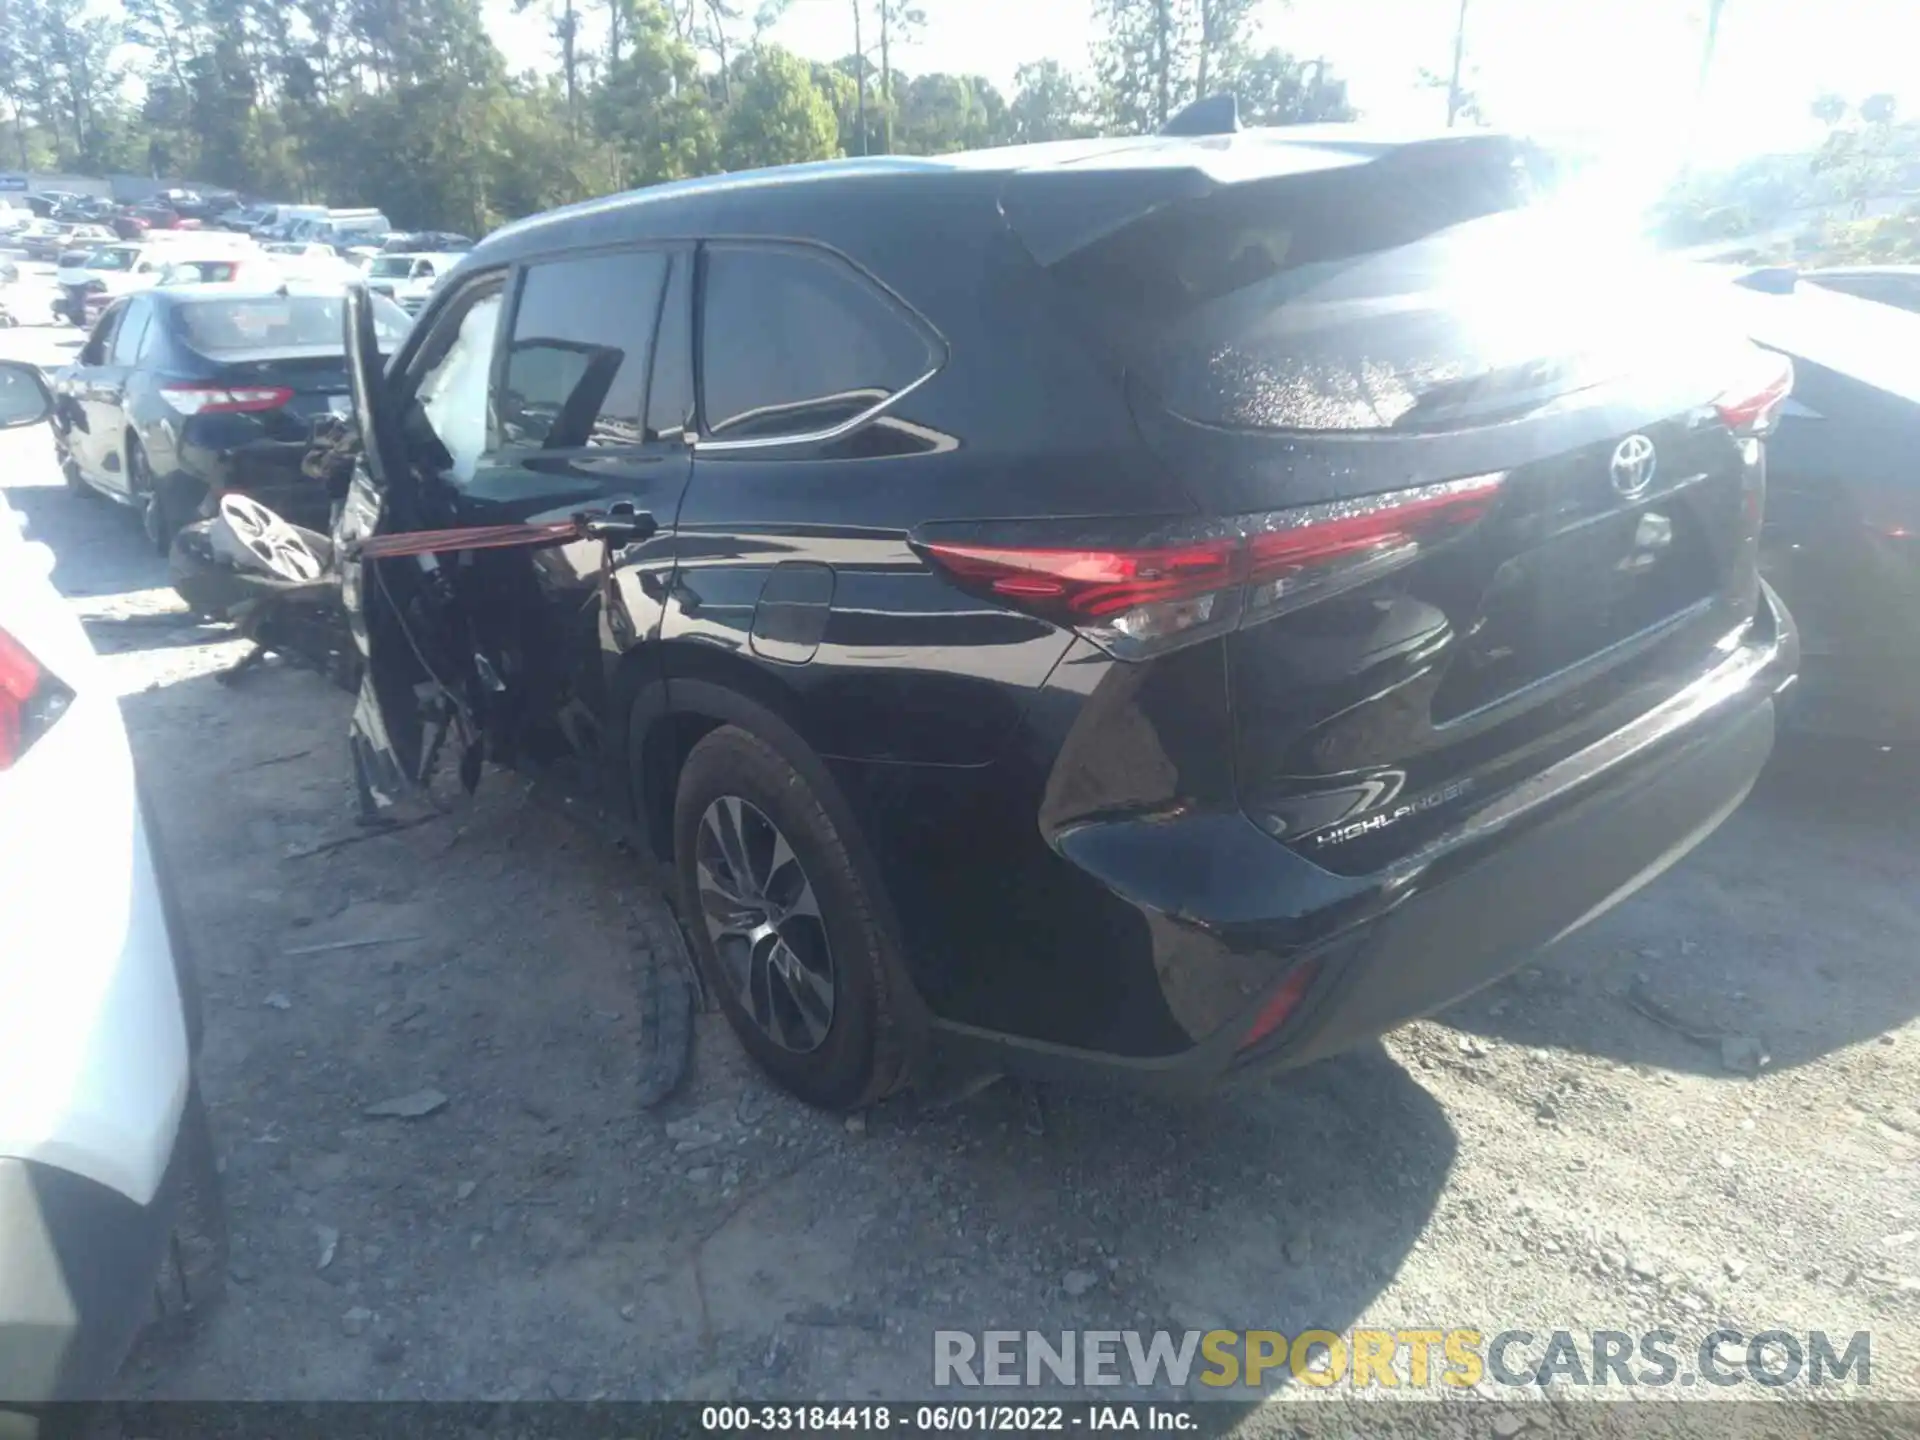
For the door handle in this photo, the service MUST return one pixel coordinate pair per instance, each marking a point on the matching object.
(620, 524)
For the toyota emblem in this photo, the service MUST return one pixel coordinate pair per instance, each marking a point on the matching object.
(1633, 465)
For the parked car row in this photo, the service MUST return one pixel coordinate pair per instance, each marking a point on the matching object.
(89, 279)
(56, 223)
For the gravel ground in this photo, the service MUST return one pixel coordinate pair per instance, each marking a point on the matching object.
(1702, 1109)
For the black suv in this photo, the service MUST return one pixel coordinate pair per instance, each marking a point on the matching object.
(1135, 607)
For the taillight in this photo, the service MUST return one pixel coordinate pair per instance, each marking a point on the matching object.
(1750, 406)
(1168, 584)
(1302, 555)
(224, 399)
(1281, 1004)
(30, 700)
(1124, 598)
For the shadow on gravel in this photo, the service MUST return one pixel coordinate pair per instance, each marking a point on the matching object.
(1285, 1205)
(733, 1240)
(118, 634)
(100, 547)
(1789, 934)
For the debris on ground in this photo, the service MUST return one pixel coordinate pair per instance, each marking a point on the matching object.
(1742, 1055)
(407, 1107)
(1033, 1109)
(333, 945)
(1639, 998)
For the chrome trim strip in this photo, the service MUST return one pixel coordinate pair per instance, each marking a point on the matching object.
(704, 446)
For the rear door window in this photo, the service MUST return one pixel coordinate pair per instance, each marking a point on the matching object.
(795, 342)
(99, 344)
(128, 338)
(576, 367)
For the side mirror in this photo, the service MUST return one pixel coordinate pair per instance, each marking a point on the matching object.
(24, 396)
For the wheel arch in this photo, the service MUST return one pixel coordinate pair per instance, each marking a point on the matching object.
(691, 708)
(673, 693)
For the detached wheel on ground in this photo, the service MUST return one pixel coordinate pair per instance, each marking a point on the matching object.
(785, 920)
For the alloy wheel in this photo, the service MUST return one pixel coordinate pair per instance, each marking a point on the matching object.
(274, 542)
(764, 920)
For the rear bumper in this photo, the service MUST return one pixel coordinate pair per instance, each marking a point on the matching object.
(267, 470)
(78, 1264)
(1523, 871)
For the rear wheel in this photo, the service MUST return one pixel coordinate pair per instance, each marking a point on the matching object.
(785, 920)
(70, 471)
(162, 524)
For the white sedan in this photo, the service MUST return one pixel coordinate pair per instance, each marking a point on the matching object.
(109, 1202)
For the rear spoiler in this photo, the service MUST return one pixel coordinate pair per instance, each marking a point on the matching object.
(1213, 115)
(1060, 209)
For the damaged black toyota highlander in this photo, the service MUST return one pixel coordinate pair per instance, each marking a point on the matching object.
(1138, 608)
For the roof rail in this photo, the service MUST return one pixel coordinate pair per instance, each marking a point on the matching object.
(1209, 115)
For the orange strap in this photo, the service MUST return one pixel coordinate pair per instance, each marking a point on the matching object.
(472, 537)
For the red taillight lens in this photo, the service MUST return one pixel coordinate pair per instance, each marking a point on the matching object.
(1135, 599)
(1319, 550)
(30, 700)
(1097, 583)
(1281, 1003)
(1750, 406)
(224, 399)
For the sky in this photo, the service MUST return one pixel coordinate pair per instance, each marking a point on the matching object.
(1617, 76)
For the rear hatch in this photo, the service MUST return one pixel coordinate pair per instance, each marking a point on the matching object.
(1504, 511)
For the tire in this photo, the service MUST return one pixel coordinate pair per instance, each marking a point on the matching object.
(193, 1272)
(830, 1036)
(70, 471)
(157, 517)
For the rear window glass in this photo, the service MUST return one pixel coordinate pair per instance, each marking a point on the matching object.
(278, 322)
(1416, 291)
